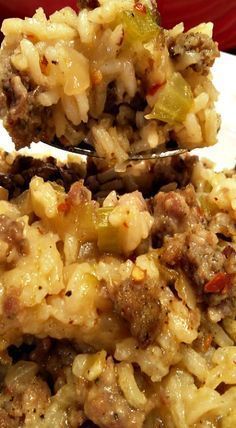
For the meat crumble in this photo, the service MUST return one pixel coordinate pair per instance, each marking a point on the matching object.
(196, 50)
(137, 303)
(12, 241)
(105, 405)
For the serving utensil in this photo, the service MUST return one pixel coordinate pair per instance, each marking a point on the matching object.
(164, 150)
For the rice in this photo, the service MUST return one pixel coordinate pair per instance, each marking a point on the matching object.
(72, 74)
(129, 333)
(117, 283)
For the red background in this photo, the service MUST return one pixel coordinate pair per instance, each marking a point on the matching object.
(191, 12)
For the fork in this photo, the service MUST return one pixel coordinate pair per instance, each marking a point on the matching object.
(164, 150)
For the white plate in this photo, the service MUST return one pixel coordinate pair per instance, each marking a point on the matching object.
(223, 154)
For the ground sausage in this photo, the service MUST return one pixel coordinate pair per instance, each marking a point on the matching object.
(13, 244)
(175, 212)
(223, 303)
(175, 169)
(196, 252)
(6, 421)
(24, 168)
(34, 399)
(106, 406)
(138, 303)
(24, 118)
(195, 50)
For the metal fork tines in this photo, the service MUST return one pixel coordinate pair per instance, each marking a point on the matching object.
(161, 151)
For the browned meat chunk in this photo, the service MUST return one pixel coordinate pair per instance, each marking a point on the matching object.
(24, 118)
(195, 50)
(230, 263)
(78, 194)
(175, 212)
(137, 303)
(196, 253)
(11, 303)
(176, 169)
(24, 168)
(224, 301)
(21, 401)
(6, 421)
(211, 268)
(106, 406)
(12, 242)
(54, 356)
(10, 231)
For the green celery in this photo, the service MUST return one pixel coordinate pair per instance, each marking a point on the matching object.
(108, 235)
(139, 26)
(174, 100)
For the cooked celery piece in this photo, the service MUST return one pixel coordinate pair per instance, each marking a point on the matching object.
(108, 235)
(86, 222)
(139, 26)
(78, 220)
(174, 100)
(208, 206)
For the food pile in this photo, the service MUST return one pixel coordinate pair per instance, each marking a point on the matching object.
(117, 285)
(110, 77)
